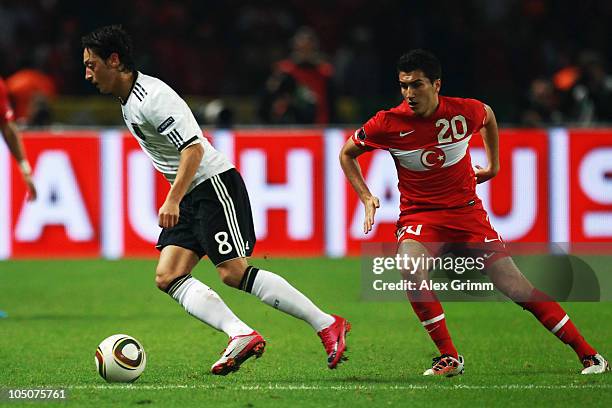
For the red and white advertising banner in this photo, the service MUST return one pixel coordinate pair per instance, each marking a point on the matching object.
(589, 166)
(65, 220)
(143, 191)
(345, 211)
(517, 198)
(99, 194)
(284, 172)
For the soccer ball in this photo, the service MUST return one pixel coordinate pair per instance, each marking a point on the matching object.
(120, 358)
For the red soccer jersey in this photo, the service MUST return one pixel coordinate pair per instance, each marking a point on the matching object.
(6, 112)
(431, 154)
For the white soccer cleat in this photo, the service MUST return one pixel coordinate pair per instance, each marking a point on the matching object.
(596, 364)
(238, 350)
(446, 365)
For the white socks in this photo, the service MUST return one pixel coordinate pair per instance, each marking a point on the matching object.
(204, 304)
(275, 291)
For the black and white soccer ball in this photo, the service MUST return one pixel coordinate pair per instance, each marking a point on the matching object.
(120, 358)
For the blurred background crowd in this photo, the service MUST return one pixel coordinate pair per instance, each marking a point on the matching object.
(537, 62)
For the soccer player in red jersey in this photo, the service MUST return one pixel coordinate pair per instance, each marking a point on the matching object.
(11, 136)
(15, 145)
(428, 136)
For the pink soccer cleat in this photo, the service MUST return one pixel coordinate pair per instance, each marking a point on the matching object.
(333, 338)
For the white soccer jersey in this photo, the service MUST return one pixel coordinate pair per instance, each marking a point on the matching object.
(163, 124)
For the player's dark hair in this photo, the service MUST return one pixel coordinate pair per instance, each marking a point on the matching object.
(106, 40)
(420, 60)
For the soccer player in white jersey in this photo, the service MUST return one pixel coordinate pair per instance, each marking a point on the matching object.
(206, 211)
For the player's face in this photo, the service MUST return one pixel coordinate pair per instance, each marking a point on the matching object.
(419, 92)
(99, 72)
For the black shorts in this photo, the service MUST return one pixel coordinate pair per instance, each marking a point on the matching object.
(215, 219)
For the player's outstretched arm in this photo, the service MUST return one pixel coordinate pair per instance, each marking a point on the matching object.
(15, 145)
(490, 137)
(191, 157)
(352, 171)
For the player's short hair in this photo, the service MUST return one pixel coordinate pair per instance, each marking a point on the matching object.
(422, 60)
(106, 40)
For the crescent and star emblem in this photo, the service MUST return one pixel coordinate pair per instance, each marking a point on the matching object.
(433, 157)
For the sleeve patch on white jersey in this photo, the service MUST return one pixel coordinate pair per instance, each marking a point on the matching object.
(165, 124)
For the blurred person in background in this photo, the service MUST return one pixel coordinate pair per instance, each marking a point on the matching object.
(31, 91)
(542, 105)
(589, 99)
(300, 88)
(284, 101)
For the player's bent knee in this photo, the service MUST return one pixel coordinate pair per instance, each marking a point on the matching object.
(164, 277)
(230, 276)
(161, 283)
(232, 271)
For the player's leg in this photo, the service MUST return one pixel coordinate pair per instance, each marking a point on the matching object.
(230, 238)
(429, 310)
(509, 280)
(181, 248)
(275, 291)
(173, 276)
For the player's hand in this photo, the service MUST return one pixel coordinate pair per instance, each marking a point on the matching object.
(31, 188)
(168, 214)
(483, 175)
(370, 203)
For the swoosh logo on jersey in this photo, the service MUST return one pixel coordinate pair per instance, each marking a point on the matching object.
(490, 240)
(404, 134)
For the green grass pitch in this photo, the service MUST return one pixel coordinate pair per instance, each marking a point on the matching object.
(58, 312)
